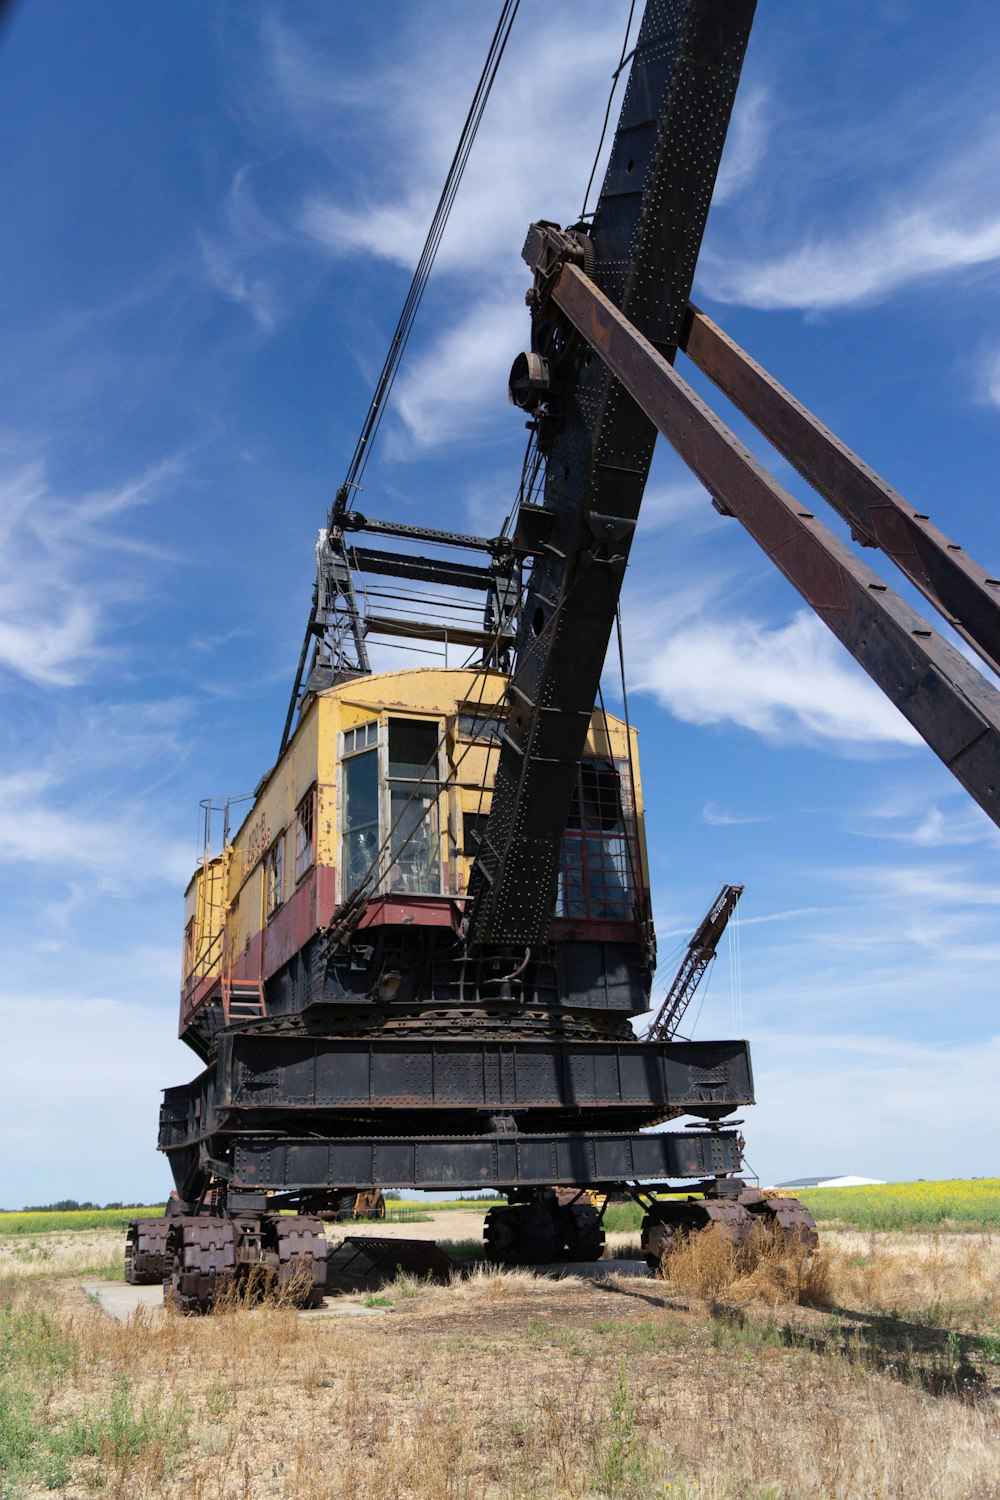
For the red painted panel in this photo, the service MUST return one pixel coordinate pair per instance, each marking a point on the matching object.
(248, 965)
(584, 930)
(406, 911)
(291, 927)
(326, 894)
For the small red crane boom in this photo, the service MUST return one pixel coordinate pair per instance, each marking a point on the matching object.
(700, 952)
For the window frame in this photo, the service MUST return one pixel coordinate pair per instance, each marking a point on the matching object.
(274, 876)
(599, 853)
(437, 784)
(361, 739)
(190, 946)
(302, 867)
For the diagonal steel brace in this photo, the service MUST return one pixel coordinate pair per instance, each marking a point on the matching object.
(949, 703)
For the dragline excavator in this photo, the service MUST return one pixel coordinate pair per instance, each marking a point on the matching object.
(416, 962)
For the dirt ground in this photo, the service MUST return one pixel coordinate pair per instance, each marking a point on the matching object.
(504, 1385)
(456, 1224)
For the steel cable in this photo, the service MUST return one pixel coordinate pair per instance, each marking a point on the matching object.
(425, 264)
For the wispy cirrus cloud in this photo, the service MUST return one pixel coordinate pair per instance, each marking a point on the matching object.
(43, 823)
(911, 884)
(376, 200)
(241, 249)
(904, 247)
(959, 823)
(55, 595)
(851, 231)
(989, 379)
(720, 817)
(746, 143)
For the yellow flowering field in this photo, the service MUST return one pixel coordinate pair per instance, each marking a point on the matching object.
(83, 1218)
(956, 1203)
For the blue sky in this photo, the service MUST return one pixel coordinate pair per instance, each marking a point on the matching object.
(212, 211)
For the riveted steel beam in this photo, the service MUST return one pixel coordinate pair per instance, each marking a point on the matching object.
(450, 575)
(949, 703)
(431, 630)
(966, 594)
(440, 1162)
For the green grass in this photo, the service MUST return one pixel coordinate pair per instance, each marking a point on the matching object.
(957, 1203)
(13, 1225)
(622, 1218)
(37, 1357)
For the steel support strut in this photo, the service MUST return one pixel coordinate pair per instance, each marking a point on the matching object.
(964, 592)
(947, 701)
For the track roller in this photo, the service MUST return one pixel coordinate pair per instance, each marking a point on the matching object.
(522, 1234)
(788, 1218)
(201, 1262)
(301, 1249)
(146, 1251)
(582, 1231)
(663, 1229)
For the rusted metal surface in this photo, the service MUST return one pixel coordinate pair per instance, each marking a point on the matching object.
(146, 1251)
(965, 593)
(668, 1223)
(553, 1224)
(456, 634)
(789, 1218)
(314, 1164)
(302, 1255)
(210, 1255)
(582, 1231)
(733, 1218)
(381, 1260)
(951, 705)
(521, 1234)
(258, 1071)
(202, 1262)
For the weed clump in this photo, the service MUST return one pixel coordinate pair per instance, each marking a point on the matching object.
(765, 1268)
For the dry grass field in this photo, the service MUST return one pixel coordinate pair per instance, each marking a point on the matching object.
(873, 1370)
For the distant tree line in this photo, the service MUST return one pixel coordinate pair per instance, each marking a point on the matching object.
(70, 1206)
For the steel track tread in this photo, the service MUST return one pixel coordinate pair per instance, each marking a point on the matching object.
(521, 1235)
(789, 1218)
(583, 1232)
(302, 1251)
(663, 1229)
(201, 1262)
(146, 1251)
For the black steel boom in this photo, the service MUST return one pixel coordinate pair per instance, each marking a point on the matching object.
(641, 249)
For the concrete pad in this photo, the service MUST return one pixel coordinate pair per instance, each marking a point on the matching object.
(119, 1300)
(593, 1270)
(334, 1308)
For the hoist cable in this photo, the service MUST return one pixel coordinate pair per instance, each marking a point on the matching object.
(421, 275)
(422, 272)
(607, 113)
